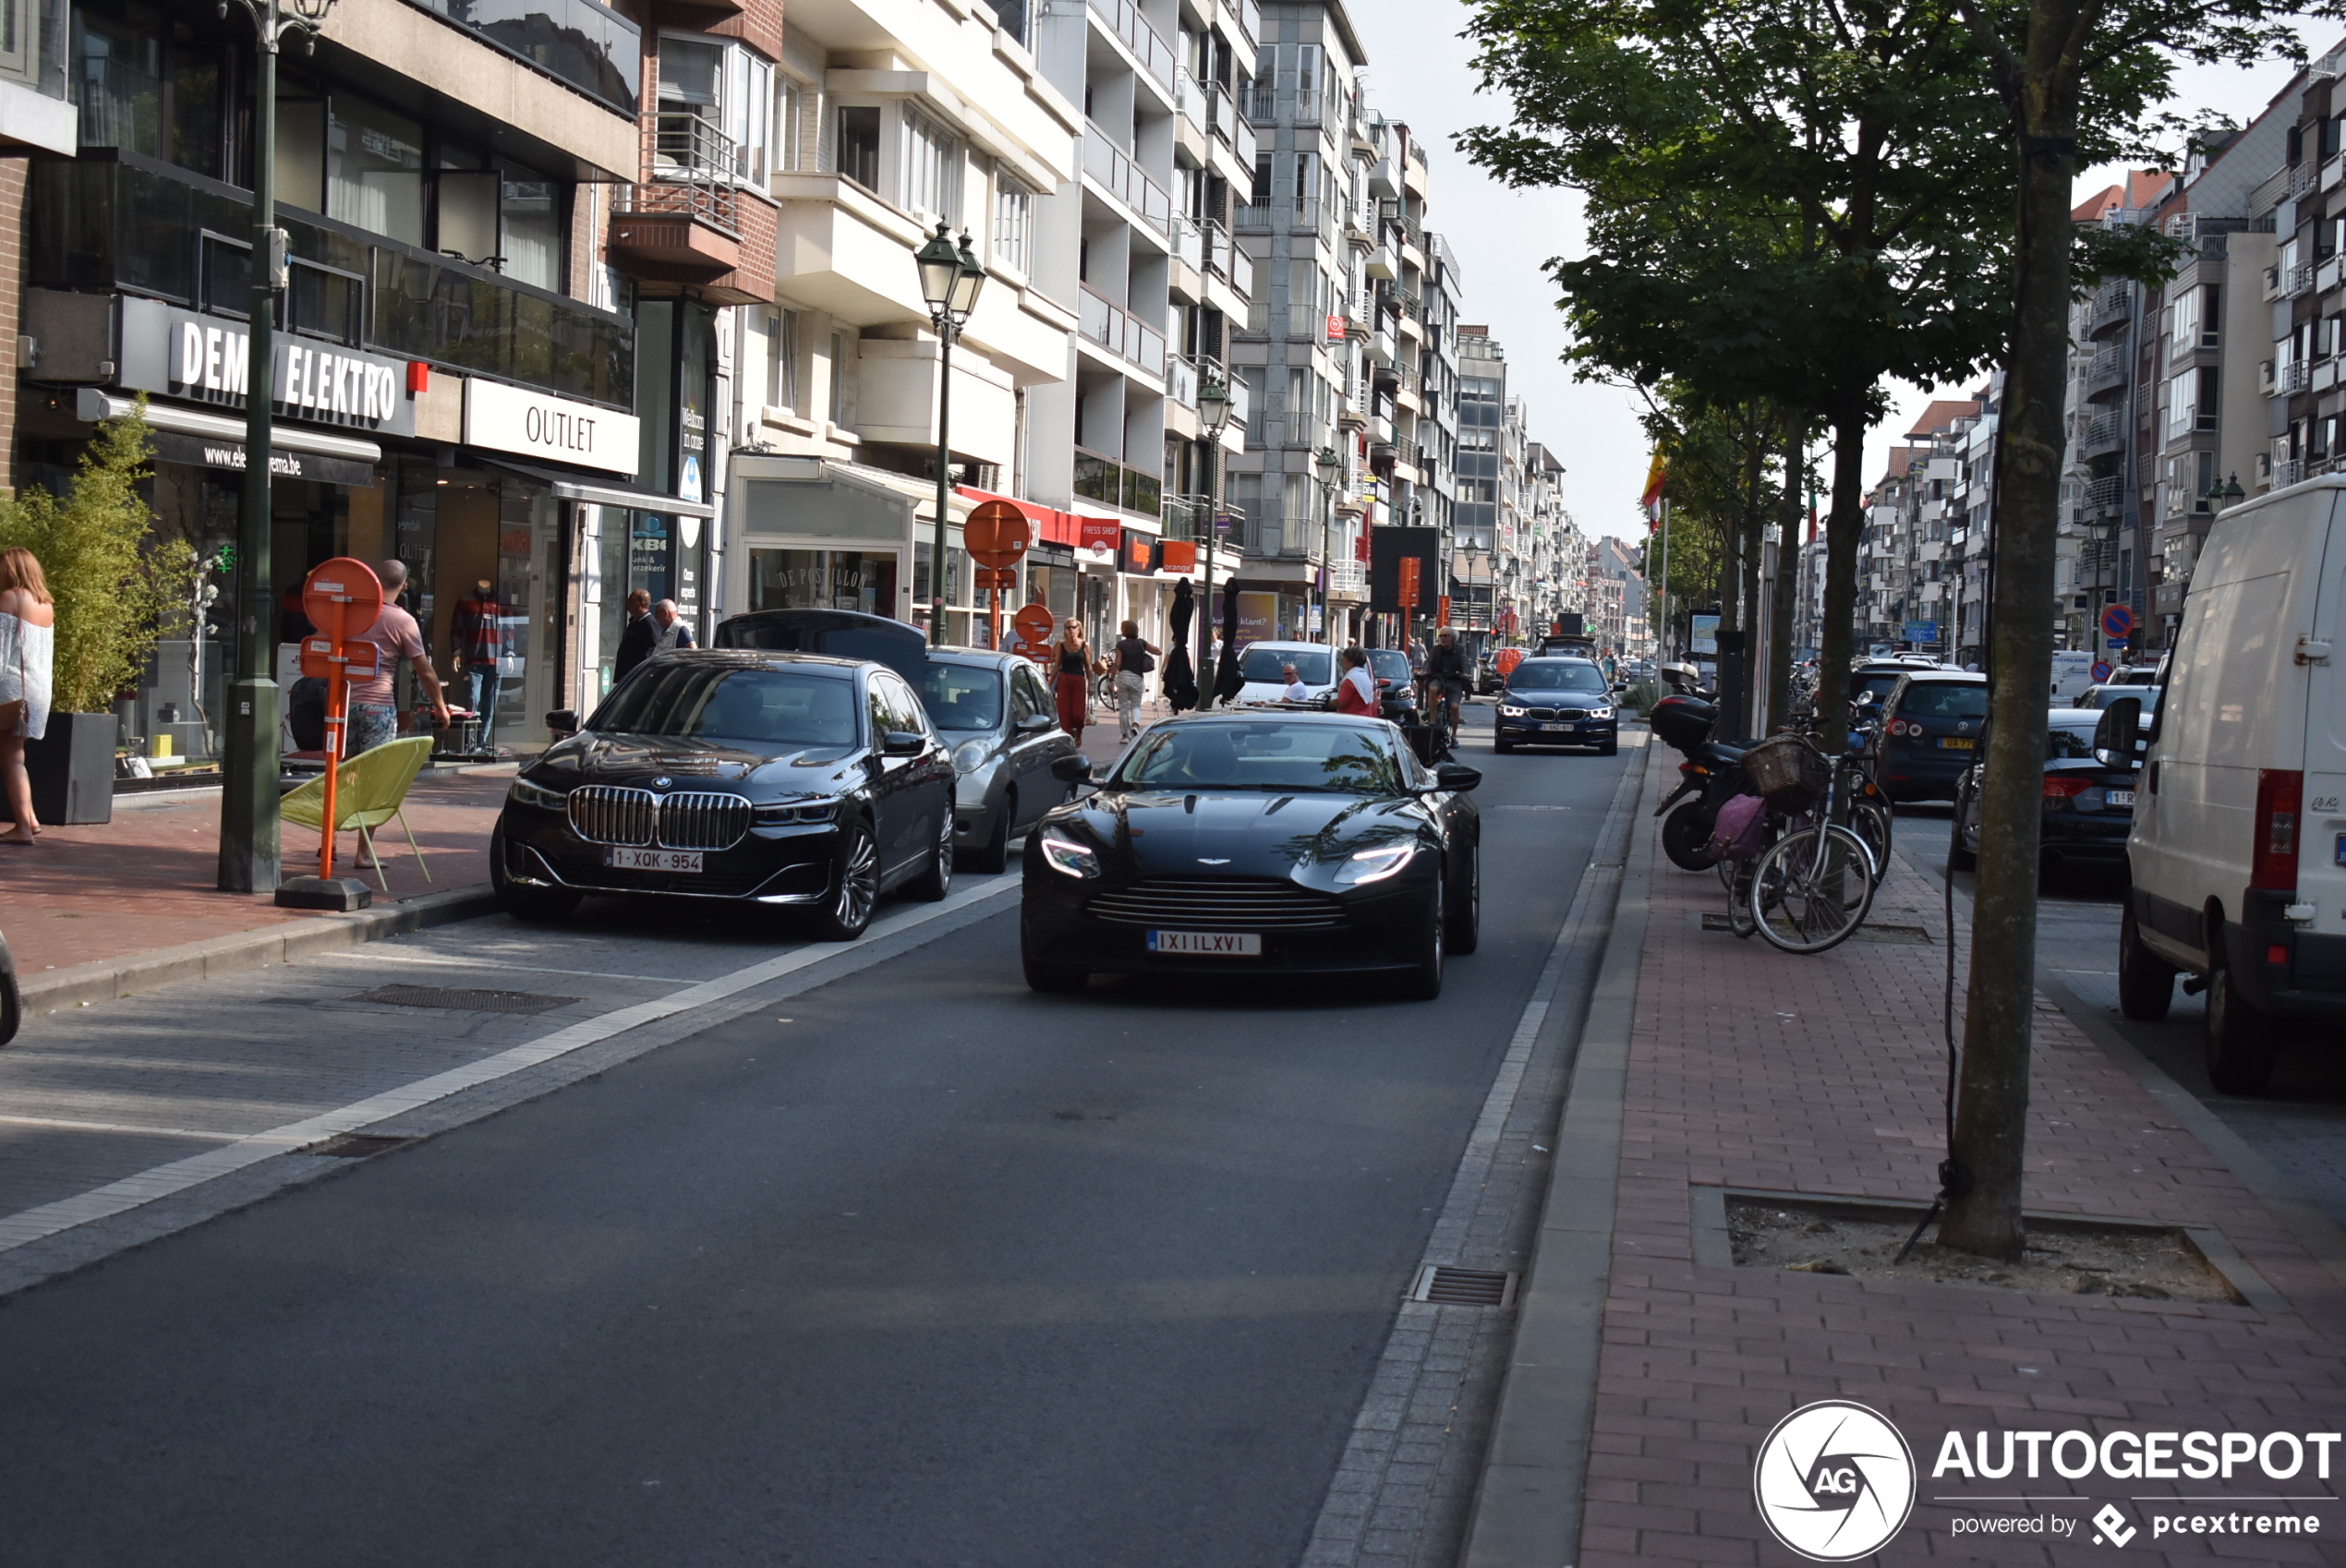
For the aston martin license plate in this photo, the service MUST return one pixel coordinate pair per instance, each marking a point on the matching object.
(675, 862)
(1211, 944)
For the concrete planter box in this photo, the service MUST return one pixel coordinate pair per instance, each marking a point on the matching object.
(72, 769)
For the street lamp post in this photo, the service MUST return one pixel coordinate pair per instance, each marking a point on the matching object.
(1327, 463)
(248, 826)
(951, 279)
(1213, 408)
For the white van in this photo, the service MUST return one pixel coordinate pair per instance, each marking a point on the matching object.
(2072, 673)
(1260, 665)
(2238, 851)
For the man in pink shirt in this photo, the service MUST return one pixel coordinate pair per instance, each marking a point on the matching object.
(374, 712)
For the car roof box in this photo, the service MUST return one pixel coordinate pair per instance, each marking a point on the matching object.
(841, 634)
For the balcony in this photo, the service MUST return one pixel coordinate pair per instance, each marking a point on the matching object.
(1106, 480)
(1122, 178)
(2288, 471)
(2333, 170)
(1190, 98)
(2100, 433)
(2106, 369)
(2300, 177)
(577, 42)
(2111, 307)
(1123, 19)
(2297, 279)
(1226, 260)
(2104, 491)
(1248, 16)
(111, 221)
(2292, 376)
(682, 213)
(1348, 577)
(1120, 332)
(1189, 243)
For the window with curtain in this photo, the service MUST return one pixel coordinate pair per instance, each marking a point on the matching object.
(143, 83)
(791, 143)
(839, 378)
(1013, 222)
(782, 358)
(931, 163)
(375, 169)
(530, 225)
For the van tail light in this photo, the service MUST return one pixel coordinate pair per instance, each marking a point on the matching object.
(2279, 792)
(2061, 787)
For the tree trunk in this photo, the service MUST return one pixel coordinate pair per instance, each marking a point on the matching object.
(1730, 636)
(1755, 526)
(1785, 599)
(1991, 1105)
(1845, 527)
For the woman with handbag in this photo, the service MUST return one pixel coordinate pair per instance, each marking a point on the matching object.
(1073, 667)
(28, 641)
(1135, 657)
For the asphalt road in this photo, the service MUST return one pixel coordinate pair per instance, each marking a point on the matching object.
(913, 1268)
(2299, 1124)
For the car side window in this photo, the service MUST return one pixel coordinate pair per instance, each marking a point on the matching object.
(905, 709)
(876, 708)
(1038, 700)
(1022, 700)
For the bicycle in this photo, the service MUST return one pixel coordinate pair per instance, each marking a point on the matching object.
(1814, 885)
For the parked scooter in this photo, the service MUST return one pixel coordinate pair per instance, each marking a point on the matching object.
(1710, 776)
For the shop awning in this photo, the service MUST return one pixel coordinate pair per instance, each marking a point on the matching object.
(602, 490)
(94, 406)
(1051, 526)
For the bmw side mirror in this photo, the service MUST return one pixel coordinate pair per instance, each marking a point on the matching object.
(903, 744)
(1074, 769)
(562, 723)
(2116, 732)
(1456, 777)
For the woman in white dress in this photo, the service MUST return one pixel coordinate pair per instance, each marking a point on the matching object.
(28, 641)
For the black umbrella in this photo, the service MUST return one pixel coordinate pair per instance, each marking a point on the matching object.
(1226, 679)
(1179, 680)
(1184, 609)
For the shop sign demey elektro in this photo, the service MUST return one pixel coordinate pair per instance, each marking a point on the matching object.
(182, 353)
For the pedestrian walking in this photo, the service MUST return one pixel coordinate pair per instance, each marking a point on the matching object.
(670, 631)
(1357, 692)
(374, 708)
(1073, 663)
(1135, 657)
(636, 637)
(28, 649)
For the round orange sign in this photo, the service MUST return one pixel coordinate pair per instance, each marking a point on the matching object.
(997, 534)
(342, 596)
(1033, 626)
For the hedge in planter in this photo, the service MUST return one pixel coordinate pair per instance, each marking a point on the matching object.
(116, 589)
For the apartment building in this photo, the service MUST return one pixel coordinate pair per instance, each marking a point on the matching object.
(456, 378)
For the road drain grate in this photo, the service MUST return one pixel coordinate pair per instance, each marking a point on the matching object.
(1450, 1286)
(357, 1145)
(464, 1001)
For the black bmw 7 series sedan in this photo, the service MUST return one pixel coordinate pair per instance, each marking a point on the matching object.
(763, 777)
(1241, 843)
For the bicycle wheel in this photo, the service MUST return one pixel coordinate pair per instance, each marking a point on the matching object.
(1739, 919)
(1871, 822)
(1812, 888)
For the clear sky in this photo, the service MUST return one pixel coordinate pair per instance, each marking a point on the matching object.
(1420, 72)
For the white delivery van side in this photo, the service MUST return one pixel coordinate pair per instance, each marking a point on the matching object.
(2072, 673)
(2238, 851)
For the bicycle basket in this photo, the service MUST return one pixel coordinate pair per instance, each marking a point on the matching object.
(1790, 772)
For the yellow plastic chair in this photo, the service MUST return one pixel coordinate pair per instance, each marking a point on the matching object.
(370, 789)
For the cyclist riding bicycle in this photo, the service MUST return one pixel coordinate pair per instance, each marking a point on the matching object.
(1447, 673)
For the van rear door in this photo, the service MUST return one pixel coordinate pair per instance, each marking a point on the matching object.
(2321, 847)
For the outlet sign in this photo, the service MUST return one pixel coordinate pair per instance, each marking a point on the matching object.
(208, 360)
(556, 429)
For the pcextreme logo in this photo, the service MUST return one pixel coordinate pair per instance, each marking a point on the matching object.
(1835, 1481)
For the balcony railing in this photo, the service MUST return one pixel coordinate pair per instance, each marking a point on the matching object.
(2104, 491)
(1248, 14)
(1190, 98)
(577, 42)
(1348, 577)
(692, 168)
(1106, 480)
(1123, 180)
(2288, 471)
(1223, 259)
(1123, 19)
(1189, 242)
(1120, 332)
(2302, 176)
(2292, 376)
(109, 221)
(1181, 380)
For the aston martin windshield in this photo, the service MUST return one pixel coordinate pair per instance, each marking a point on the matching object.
(1259, 756)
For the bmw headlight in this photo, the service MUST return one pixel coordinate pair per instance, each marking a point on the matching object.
(795, 814)
(968, 756)
(525, 794)
(1066, 856)
(1513, 712)
(1599, 713)
(1375, 865)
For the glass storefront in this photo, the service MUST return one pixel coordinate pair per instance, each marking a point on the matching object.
(822, 579)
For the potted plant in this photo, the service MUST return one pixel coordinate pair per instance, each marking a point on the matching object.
(115, 586)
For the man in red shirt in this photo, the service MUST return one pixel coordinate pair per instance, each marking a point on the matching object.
(374, 712)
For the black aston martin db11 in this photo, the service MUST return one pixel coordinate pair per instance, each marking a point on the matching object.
(1237, 842)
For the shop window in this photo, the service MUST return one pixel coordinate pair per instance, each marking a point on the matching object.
(817, 579)
(375, 169)
(146, 84)
(859, 145)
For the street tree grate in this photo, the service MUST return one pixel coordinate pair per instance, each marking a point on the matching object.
(1450, 1286)
(462, 1001)
(357, 1145)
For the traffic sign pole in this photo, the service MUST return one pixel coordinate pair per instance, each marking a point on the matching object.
(343, 598)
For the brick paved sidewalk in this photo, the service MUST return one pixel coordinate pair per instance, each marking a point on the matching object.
(1752, 1068)
(145, 880)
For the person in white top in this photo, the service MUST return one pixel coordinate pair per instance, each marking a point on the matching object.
(1297, 692)
(27, 644)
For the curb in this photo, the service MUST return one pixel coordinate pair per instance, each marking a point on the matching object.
(1527, 1507)
(110, 978)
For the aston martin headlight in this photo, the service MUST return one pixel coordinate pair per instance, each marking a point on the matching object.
(1375, 865)
(525, 794)
(1066, 856)
(795, 814)
(968, 756)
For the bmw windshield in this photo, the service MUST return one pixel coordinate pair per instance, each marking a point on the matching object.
(725, 702)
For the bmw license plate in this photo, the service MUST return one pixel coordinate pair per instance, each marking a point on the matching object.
(1566, 726)
(1210, 944)
(1957, 743)
(675, 862)
(2121, 797)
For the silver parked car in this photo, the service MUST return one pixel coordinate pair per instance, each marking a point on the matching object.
(997, 714)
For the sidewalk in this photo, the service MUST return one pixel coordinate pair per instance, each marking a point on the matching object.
(108, 893)
(1747, 1068)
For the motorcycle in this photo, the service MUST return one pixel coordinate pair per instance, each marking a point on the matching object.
(1712, 775)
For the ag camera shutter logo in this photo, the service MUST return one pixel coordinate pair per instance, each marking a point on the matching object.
(1835, 1481)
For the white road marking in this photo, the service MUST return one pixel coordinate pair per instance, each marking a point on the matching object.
(121, 1126)
(363, 956)
(163, 1181)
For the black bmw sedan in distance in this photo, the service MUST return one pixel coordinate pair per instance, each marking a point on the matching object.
(769, 778)
(1246, 843)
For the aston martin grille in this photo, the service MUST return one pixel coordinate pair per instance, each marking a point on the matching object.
(701, 821)
(1219, 903)
(606, 813)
